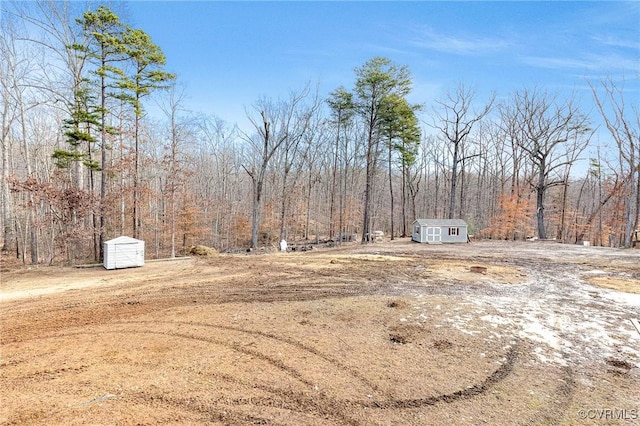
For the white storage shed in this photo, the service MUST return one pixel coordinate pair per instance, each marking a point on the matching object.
(123, 252)
(438, 231)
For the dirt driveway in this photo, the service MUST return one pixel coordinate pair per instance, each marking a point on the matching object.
(385, 334)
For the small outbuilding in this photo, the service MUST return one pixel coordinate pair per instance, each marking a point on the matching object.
(123, 252)
(438, 231)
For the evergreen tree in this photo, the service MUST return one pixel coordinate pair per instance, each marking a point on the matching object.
(376, 80)
(148, 60)
(104, 49)
(78, 131)
(399, 127)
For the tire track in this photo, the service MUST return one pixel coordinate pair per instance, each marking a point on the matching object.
(276, 363)
(469, 392)
(297, 344)
(317, 404)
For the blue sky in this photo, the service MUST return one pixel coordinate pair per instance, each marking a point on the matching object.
(229, 54)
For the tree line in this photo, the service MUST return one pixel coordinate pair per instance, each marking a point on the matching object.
(82, 161)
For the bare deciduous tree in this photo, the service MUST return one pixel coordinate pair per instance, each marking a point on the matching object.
(174, 158)
(274, 127)
(455, 118)
(623, 123)
(553, 134)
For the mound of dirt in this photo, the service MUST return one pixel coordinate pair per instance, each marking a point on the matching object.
(203, 251)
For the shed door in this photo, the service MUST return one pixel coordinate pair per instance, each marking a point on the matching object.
(126, 255)
(434, 235)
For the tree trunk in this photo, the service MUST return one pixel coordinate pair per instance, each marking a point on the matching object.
(404, 199)
(631, 213)
(173, 171)
(308, 219)
(391, 192)
(454, 181)
(103, 158)
(283, 205)
(561, 233)
(462, 189)
(637, 217)
(540, 190)
(123, 205)
(136, 171)
(30, 225)
(334, 179)
(6, 215)
(343, 192)
(255, 210)
(172, 200)
(368, 187)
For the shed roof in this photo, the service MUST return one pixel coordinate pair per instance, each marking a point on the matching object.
(441, 222)
(123, 240)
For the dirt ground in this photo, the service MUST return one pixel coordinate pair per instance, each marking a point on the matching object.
(384, 334)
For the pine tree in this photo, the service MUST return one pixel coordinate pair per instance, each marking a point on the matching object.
(104, 49)
(148, 60)
(376, 80)
(78, 131)
(399, 127)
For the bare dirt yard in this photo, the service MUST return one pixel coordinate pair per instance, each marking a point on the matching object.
(385, 334)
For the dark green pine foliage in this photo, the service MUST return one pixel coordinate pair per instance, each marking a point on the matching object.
(78, 132)
(400, 128)
(148, 61)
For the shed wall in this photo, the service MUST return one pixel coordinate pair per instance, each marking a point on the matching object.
(460, 238)
(123, 253)
(420, 231)
(417, 232)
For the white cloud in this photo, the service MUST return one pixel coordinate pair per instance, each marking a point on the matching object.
(618, 42)
(429, 39)
(591, 62)
(380, 49)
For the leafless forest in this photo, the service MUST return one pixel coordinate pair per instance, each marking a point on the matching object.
(83, 161)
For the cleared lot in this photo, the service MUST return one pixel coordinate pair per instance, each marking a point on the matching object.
(391, 333)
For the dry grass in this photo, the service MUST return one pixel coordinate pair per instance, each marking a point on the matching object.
(625, 284)
(345, 337)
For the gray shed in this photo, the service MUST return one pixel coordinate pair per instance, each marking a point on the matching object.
(438, 231)
(123, 252)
